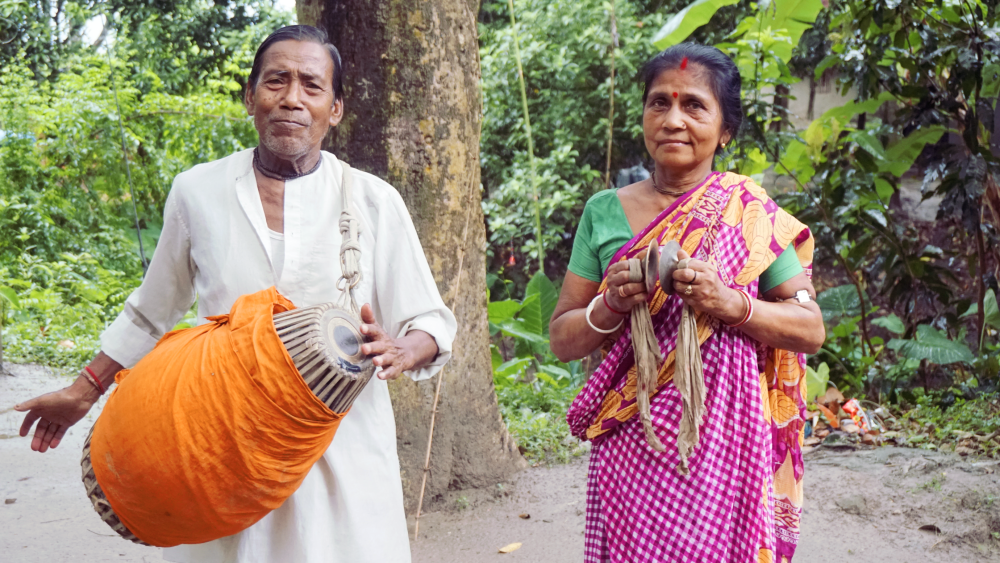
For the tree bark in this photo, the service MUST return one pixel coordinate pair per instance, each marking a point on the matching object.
(413, 114)
(781, 93)
(812, 98)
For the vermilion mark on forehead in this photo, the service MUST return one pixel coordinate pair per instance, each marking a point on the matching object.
(675, 94)
(684, 63)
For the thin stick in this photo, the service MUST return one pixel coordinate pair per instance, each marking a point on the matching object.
(531, 143)
(611, 104)
(128, 169)
(440, 377)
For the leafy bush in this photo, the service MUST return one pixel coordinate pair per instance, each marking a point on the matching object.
(565, 47)
(68, 246)
(533, 387)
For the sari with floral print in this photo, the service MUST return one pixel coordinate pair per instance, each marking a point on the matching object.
(743, 498)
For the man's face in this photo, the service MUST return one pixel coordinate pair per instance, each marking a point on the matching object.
(293, 103)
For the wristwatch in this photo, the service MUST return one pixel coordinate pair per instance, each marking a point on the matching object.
(802, 296)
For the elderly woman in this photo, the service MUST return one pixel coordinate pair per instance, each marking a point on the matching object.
(738, 496)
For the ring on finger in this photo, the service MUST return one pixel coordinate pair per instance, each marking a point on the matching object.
(695, 278)
(688, 290)
(621, 291)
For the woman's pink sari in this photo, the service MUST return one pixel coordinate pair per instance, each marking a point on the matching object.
(742, 501)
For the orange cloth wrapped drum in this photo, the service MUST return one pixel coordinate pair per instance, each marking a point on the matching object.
(219, 424)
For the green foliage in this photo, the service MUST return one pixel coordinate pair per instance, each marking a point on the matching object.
(965, 422)
(817, 381)
(919, 70)
(680, 25)
(565, 55)
(536, 417)
(179, 46)
(68, 247)
(931, 345)
(533, 387)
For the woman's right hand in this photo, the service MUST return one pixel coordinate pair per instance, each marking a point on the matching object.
(622, 295)
(56, 412)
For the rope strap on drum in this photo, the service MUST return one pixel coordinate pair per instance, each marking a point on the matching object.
(350, 247)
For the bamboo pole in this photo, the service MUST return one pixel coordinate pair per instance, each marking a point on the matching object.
(531, 143)
(611, 96)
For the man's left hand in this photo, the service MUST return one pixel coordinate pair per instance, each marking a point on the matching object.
(395, 355)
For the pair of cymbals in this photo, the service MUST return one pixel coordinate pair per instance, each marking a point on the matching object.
(661, 263)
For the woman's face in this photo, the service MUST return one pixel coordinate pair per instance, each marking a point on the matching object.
(682, 120)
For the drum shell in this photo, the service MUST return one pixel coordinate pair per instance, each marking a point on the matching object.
(99, 499)
(210, 431)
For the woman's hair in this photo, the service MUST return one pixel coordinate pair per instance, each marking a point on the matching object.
(723, 77)
(299, 33)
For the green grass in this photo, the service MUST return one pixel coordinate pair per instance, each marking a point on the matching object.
(958, 425)
(535, 414)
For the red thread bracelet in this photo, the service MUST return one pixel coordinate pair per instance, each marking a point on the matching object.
(93, 379)
(604, 295)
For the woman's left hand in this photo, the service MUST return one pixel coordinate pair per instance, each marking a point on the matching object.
(699, 286)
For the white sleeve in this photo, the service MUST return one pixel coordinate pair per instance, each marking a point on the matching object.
(408, 297)
(166, 294)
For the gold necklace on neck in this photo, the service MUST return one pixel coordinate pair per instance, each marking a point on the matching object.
(652, 176)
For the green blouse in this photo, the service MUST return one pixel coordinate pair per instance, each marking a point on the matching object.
(604, 229)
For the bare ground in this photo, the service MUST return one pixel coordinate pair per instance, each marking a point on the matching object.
(861, 505)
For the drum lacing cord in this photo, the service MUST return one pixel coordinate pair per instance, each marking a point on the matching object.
(689, 377)
(350, 247)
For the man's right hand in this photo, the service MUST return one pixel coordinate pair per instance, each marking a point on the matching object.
(56, 412)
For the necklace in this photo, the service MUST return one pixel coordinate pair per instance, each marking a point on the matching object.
(274, 174)
(652, 176)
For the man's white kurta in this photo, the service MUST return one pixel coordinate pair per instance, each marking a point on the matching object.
(215, 246)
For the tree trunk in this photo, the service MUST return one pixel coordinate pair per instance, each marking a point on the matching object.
(413, 114)
(780, 111)
(812, 98)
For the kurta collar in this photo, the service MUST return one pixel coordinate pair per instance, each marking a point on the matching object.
(249, 199)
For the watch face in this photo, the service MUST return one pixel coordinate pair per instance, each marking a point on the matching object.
(802, 296)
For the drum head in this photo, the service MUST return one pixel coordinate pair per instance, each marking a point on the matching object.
(342, 333)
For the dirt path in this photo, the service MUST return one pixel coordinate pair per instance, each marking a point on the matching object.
(860, 506)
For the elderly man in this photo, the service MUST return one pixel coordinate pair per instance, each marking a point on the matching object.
(269, 216)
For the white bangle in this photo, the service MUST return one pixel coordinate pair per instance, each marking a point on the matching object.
(600, 330)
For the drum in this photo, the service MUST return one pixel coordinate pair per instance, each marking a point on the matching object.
(324, 342)
(97, 498)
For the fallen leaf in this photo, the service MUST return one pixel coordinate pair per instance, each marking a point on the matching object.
(930, 528)
(511, 547)
(524, 516)
(833, 395)
(831, 419)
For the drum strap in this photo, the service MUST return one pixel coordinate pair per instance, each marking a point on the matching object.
(350, 247)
